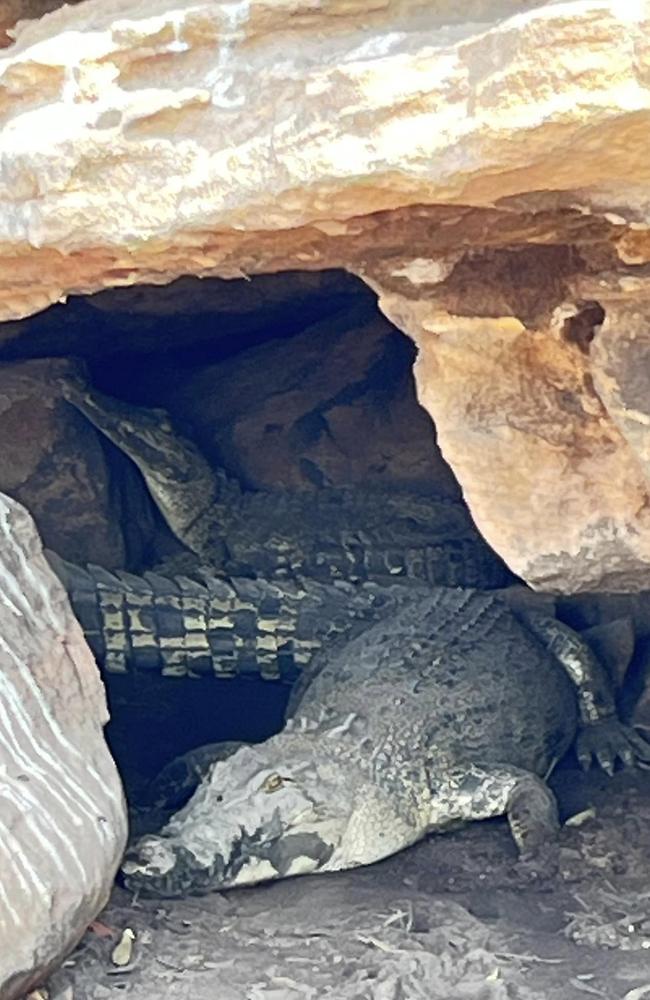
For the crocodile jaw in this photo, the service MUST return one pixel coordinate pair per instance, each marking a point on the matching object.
(295, 805)
(180, 480)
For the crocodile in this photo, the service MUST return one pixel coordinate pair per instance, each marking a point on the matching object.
(444, 705)
(415, 707)
(221, 627)
(346, 533)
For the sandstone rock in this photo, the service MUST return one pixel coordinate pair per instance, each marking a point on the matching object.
(333, 405)
(20, 10)
(52, 461)
(228, 139)
(217, 316)
(620, 355)
(62, 816)
(552, 482)
(411, 143)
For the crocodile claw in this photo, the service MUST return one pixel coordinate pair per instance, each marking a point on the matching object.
(608, 741)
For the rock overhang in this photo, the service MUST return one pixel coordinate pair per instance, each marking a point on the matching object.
(407, 144)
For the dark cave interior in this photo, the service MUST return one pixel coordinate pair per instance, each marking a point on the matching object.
(292, 381)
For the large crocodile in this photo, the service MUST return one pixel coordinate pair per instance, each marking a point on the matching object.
(349, 533)
(451, 708)
(421, 707)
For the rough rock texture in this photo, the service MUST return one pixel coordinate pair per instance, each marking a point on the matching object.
(279, 378)
(252, 136)
(553, 477)
(415, 143)
(62, 818)
(53, 462)
(18, 10)
(294, 412)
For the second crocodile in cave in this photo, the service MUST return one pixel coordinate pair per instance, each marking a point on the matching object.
(346, 533)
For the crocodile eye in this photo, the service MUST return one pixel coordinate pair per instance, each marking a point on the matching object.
(272, 783)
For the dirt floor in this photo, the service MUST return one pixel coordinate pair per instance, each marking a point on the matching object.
(446, 920)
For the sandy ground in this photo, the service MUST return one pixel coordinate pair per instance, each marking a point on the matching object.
(446, 920)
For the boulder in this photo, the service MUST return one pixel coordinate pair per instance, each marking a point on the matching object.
(52, 461)
(12, 11)
(332, 405)
(550, 466)
(62, 814)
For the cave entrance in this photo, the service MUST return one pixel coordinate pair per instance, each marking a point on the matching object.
(294, 383)
(291, 381)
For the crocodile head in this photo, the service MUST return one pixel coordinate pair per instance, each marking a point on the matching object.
(179, 479)
(290, 806)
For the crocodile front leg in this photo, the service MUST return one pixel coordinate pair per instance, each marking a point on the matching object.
(482, 792)
(601, 734)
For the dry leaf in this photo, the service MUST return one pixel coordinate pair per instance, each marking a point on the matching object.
(582, 817)
(101, 930)
(121, 954)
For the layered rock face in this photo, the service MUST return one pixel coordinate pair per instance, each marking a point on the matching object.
(62, 817)
(12, 11)
(551, 459)
(496, 200)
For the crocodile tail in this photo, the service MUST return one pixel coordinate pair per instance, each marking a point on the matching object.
(208, 626)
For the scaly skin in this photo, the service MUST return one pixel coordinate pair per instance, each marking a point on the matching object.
(217, 627)
(449, 709)
(421, 708)
(348, 533)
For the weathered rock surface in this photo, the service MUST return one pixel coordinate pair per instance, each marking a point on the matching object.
(413, 143)
(553, 483)
(62, 817)
(333, 405)
(249, 137)
(19, 10)
(52, 461)
(151, 321)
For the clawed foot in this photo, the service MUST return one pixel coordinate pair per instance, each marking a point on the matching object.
(609, 741)
(538, 865)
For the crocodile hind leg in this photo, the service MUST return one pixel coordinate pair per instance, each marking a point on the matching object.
(482, 792)
(601, 734)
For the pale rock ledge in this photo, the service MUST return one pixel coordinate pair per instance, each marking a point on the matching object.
(483, 166)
